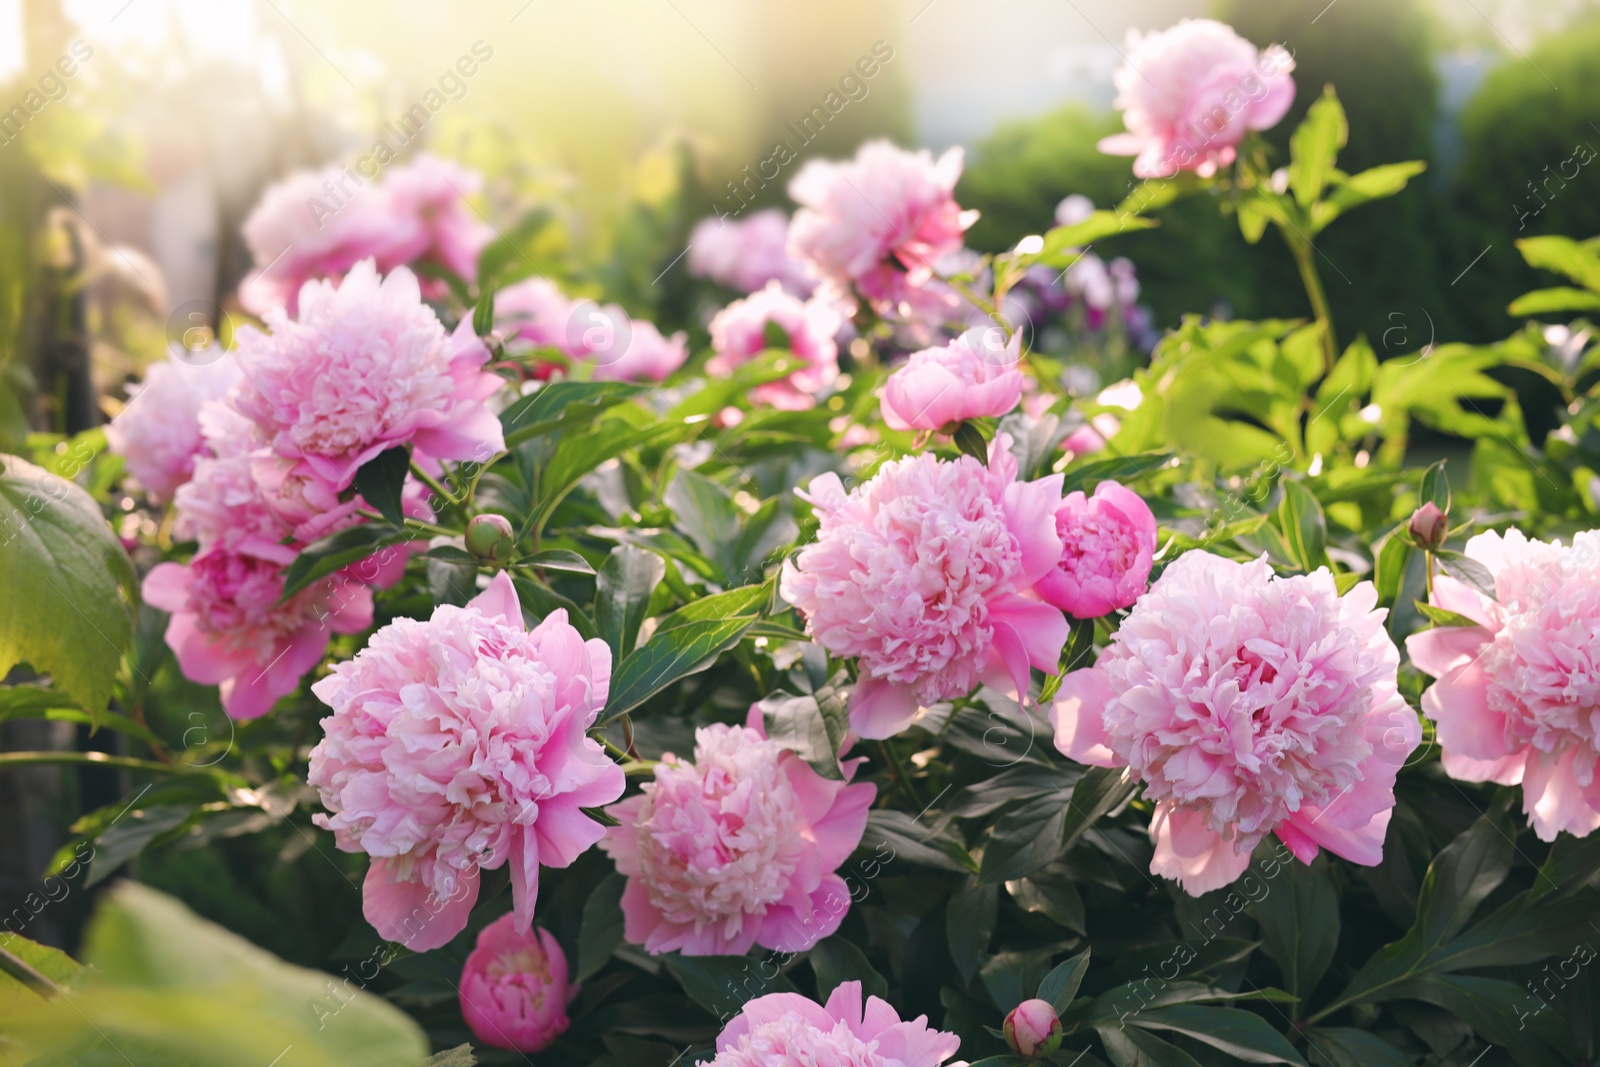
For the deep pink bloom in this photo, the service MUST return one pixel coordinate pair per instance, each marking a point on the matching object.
(228, 629)
(737, 848)
(1189, 94)
(158, 433)
(976, 375)
(458, 745)
(880, 220)
(1108, 542)
(746, 255)
(1247, 704)
(739, 334)
(787, 1028)
(514, 987)
(1033, 1028)
(367, 367)
(1518, 696)
(925, 574)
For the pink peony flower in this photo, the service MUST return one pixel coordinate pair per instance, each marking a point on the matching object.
(738, 335)
(642, 354)
(1518, 696)
(367, 367)
(458, 745)
(785, 1028)
(228, 628)
(737, 848)
(514, 987)
(535, 311)
(925, 574)
(158, 433)
(1033, 1028)
(223, 506)
(974, 376)
(312, 224)
(1109, 541)
(427, 197)
(880, 220)
(747, 255)
(1248, 704)
(1091, 437)
(1189, 94)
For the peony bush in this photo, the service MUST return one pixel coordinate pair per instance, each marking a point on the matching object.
(892, 662)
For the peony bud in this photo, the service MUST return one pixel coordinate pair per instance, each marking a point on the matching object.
(1033, 1028)
(514, 987)
(490, 537)
(1429, 525)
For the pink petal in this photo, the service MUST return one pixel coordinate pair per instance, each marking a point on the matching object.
(1195, 856)
(407, 912)
(880, 709)
(1077, 713)
(499, 601)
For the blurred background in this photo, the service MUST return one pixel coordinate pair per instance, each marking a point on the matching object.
(137, 135)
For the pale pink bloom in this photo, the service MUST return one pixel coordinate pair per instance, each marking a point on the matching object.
(366, 367)
(458, 745)
(880, 220)
(637, 353)
(1108, 542)
(1189, 95)
(746, 255)
(228, 628)
(513, 988)
(223, 506)
(925, 575)
(787, 1028)
(1247, 704)
(738, 848)
(535, 311)
(433, 222)
(158, 433)
(1518, 696)
(739, 334)
(312, 224)
(1092, 436)
(976, 375)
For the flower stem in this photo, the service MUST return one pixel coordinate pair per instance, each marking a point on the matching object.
(432, 483)
(1303, 253)
(899, 772)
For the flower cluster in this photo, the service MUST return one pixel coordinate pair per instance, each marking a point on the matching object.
(612, 345)
(782, 1028)
(739, 334)
(747, 255)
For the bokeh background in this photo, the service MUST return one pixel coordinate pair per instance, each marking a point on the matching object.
(124, 182)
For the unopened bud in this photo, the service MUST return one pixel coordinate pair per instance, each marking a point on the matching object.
(1033, 1028)
(1429, 525)
(491, 538)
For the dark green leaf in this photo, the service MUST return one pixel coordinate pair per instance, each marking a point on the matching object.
(1026, 840)
(557, 559)
(337, 551)
(565, 405)
(483, 313)
(623, 589)
(907, 839)
(722, 984)
(814, 726)
(1240, 1034)
(1124, 469)
(1444, 617)
(382, 479)
(1100, 790)
(1132, 1047)
(600, 933)
(1011, 977)
(835, 960)
(1341, 1046)
(969, 923)
(970, 440)
(1060, 986)
(748, 600)
(540, 600)
(1299, 920)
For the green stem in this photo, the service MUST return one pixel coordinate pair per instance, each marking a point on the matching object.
(432, 483)
(1303, 258)
(101, 759)
(899, 772)
(18, 968)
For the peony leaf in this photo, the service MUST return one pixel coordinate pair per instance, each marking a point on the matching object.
(969, 924)
(835, 960)
(723, 984)
(1305, 530)
(623, 588)
(1237, 1033)
(1132, 1047)
(1300, 925)
(67, 586)
(1060, 986)
(562, 405)
(1342, 1046)
(670, 656)
(600, 932)
(382, 479)
(813, 726)
(336, 552)
(1314, 147)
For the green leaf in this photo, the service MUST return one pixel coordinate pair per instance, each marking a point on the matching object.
(1132, 1047)
(1240, 1034)
(1063, 245)
(1060, 986)
(179, 989)
(835, 960)
(557, 559)
(483, 313)
(1299, 920)
(1314, 146)
(336, 552)
(1025, 840)
(1390, 572)
(127, 837)
(668, 657)
(705, 512)
(33, 702)
(539, 600)
(1099, 791)
(722, 984)
(67, 586)
(622, 594)
(970, 440)
(907, 839)
(1443, 617)
(564, 405)
(1490, 1006)
(382, 479)
(969, 924)
(1435, 487)
(600, 932)
(1375, 183)
(1056, 898)
(1011, 977)
(1305, 529)
(1563, 255)
(460, 1056)
(1341, 1046)
(1124, 469)
(1464, 568)
(746, 600)
(1560, 299)
(814, 726)
(514, 250)
(1460, 877)
(579, 454)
